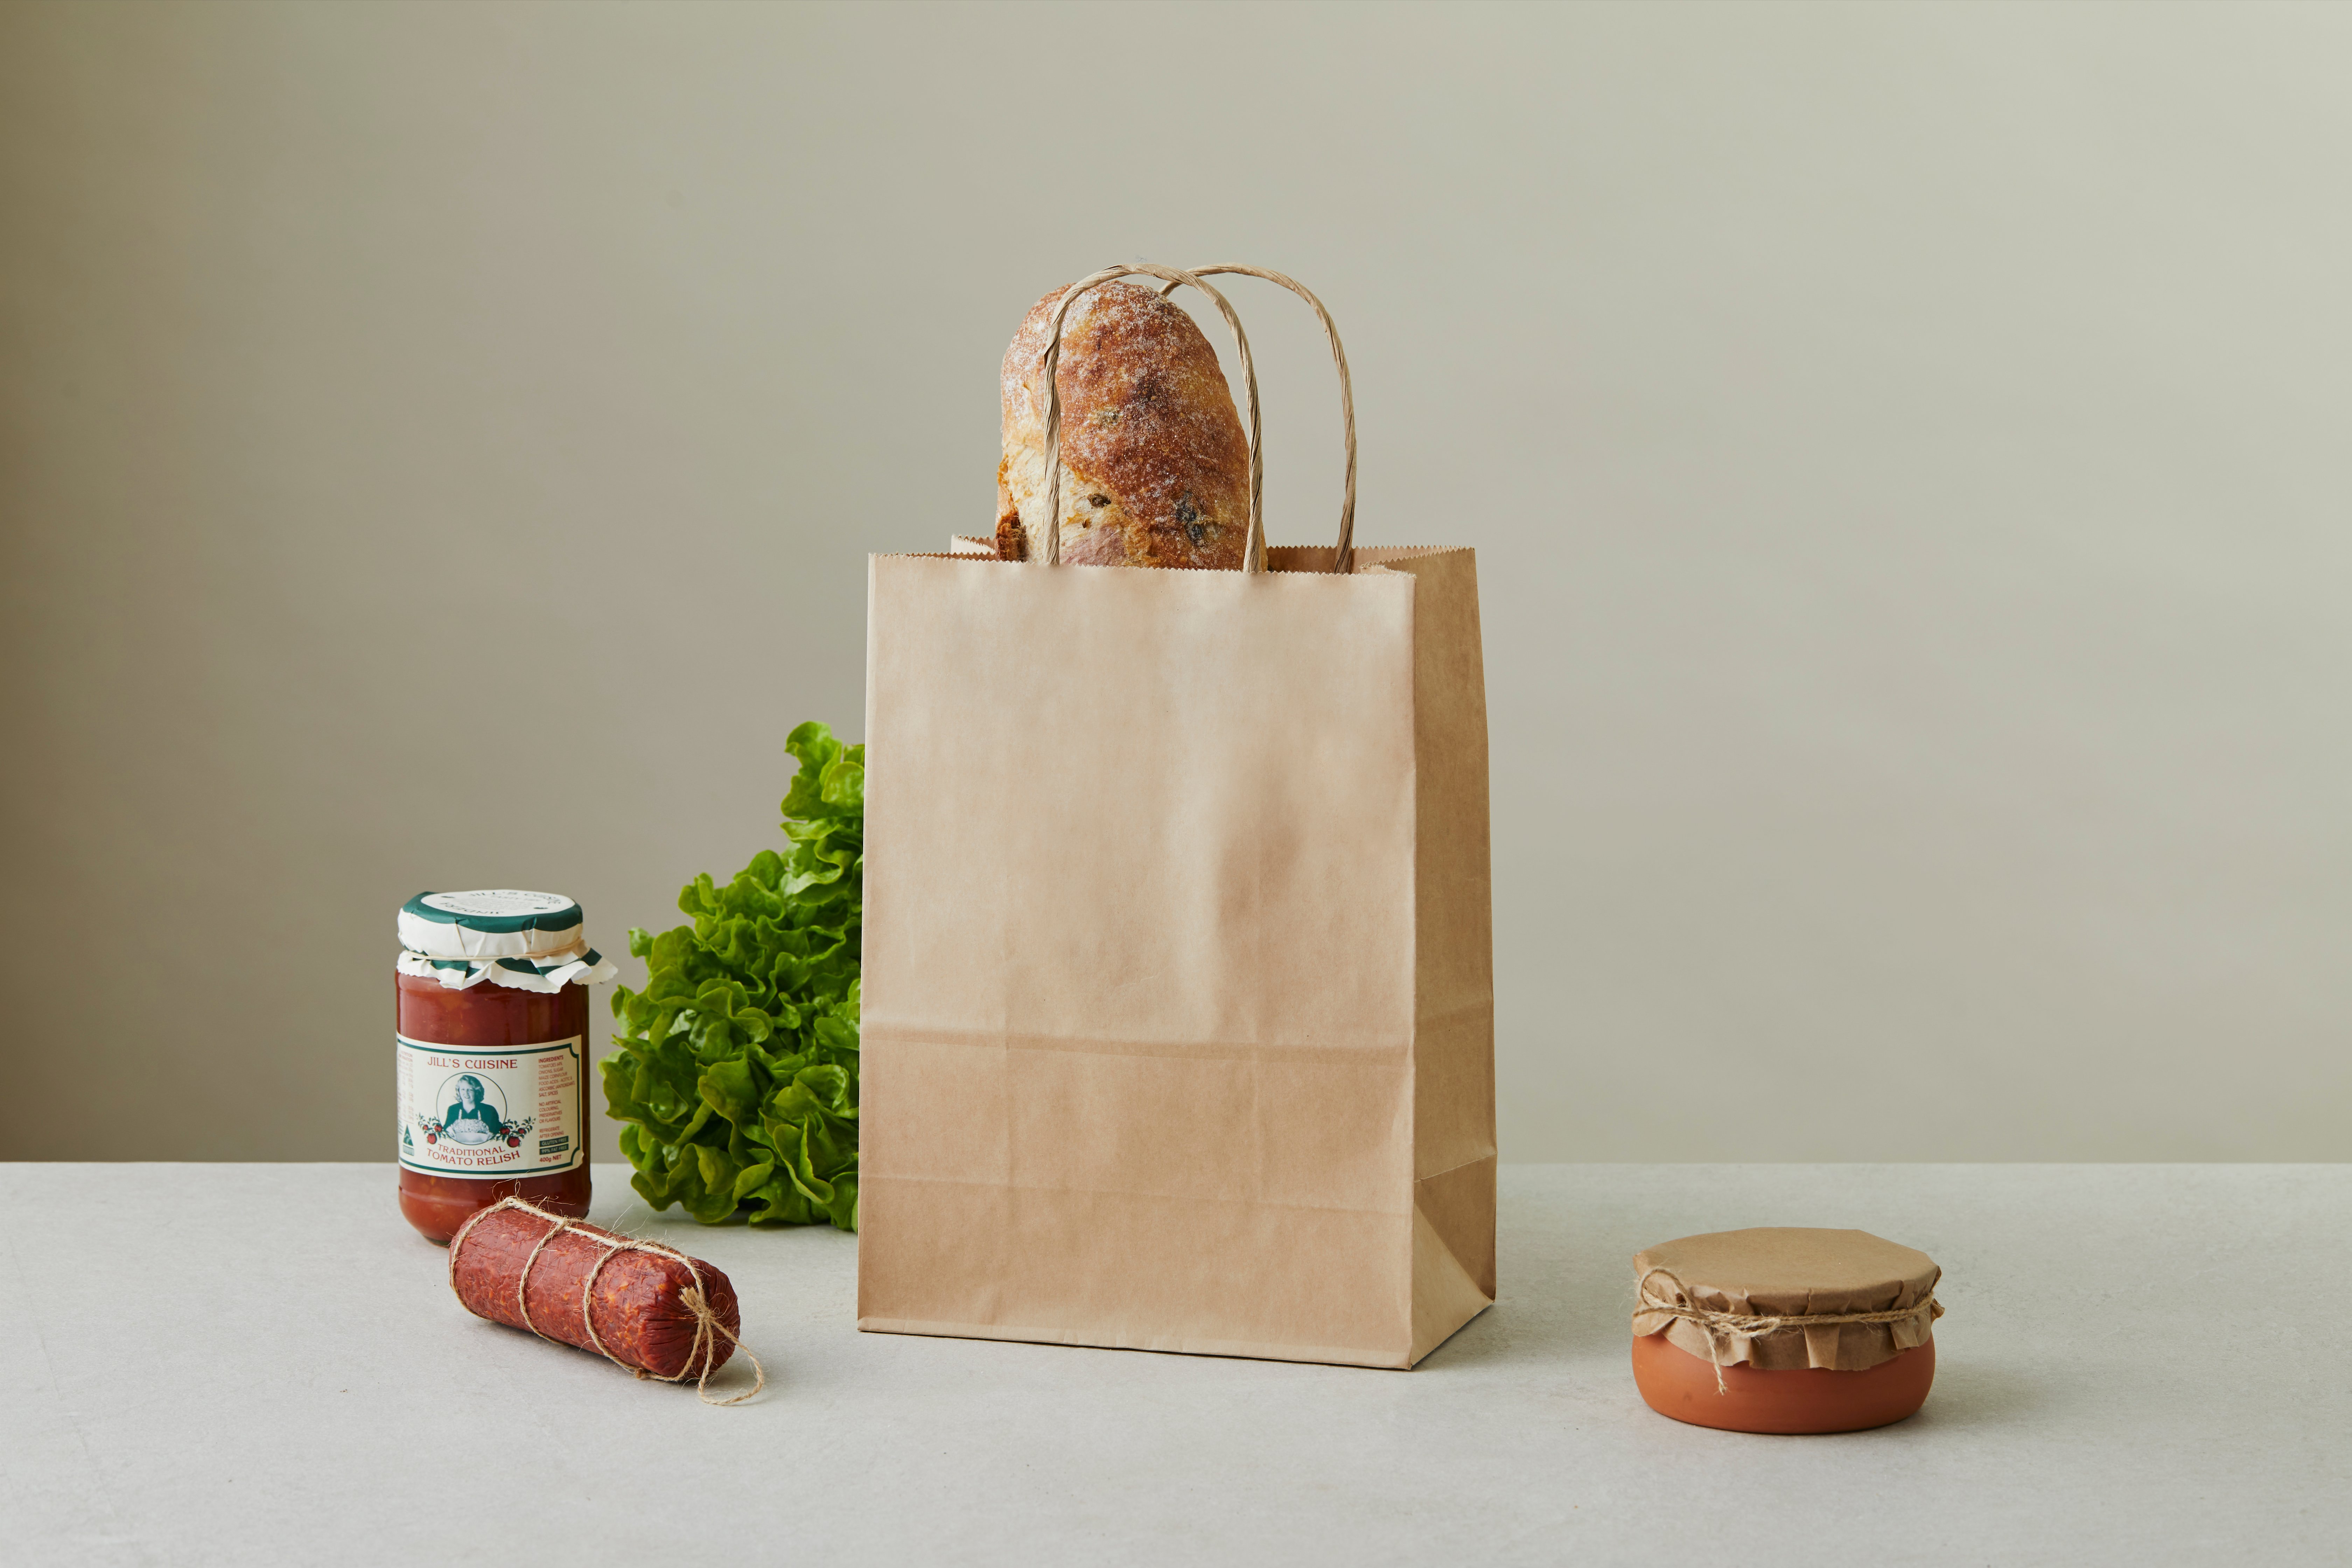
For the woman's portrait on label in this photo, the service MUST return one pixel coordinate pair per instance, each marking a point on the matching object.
(471, 1118)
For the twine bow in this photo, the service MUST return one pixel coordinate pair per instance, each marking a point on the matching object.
(1726, 1330)
(707, 1326)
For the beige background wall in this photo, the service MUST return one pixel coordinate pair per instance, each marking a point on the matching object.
(1905, 448)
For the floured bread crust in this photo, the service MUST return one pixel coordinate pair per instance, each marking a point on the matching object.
(1155, 470)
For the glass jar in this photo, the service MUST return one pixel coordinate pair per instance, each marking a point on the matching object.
(492, 1035)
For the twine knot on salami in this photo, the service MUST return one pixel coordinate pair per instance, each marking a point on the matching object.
(1726, 1331)
(657, 1317)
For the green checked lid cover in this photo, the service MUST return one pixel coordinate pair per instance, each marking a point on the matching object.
(532, 942)
(492, 922)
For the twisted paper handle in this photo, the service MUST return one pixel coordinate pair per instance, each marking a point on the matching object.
(1343, 559)
(1722, 1327)
(707, 1326)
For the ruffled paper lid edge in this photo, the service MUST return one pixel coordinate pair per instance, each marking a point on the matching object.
(551, 972)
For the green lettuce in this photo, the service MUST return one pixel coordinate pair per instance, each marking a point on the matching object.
(737, 1072)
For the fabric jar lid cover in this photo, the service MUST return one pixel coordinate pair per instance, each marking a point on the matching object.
(492, 922)
(1786, 1272)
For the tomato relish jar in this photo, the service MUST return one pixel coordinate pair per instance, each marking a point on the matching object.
(491, 1033)
(1785, 1330)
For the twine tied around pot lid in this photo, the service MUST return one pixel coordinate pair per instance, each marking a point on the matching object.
(1724, 1329)
(1784, 1298)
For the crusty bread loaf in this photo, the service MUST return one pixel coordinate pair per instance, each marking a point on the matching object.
(1155, 470)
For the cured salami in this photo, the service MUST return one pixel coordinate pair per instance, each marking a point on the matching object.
(639, 1304)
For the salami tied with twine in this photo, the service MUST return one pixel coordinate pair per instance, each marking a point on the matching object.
(638, 1304)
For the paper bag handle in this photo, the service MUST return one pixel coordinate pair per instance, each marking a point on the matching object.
(1343, 560)
(1047, 551)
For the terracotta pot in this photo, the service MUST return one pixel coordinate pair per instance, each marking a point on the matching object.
(1801, 1399)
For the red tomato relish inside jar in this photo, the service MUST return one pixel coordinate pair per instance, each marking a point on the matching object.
(492, 1034)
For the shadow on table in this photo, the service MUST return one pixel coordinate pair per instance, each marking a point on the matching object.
(1514, 1334)
(1558, 1301)
(1965, 1396)
(1970, 1394)
(1522, 1329)
(1565, 1273)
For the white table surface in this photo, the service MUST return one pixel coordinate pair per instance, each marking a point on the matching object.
(262, 1363)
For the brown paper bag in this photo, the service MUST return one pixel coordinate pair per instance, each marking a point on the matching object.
(1178, 1009)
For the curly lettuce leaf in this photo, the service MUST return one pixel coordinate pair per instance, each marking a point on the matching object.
(736, 1073)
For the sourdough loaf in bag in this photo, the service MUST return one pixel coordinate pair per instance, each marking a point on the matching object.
(1155, 468)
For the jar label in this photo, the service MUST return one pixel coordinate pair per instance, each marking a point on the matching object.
(492, 1110)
